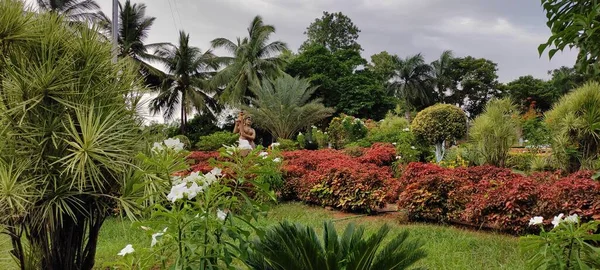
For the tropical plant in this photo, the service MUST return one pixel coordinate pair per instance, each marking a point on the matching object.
(412, 82)
(574, 125)
(186, 85)
(495, 131)
(283, 106)
(438, 124)
(294, 246)
(253, 60)
(69, 133)
(346, 129)
(441, 74)
(73, 10)
(334, 31)
(214, 141)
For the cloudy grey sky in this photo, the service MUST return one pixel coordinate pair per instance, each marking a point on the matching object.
(505, 31)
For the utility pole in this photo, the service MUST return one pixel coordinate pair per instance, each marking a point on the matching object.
(115, 30)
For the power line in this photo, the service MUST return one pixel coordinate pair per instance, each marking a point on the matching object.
(177, 11)
(172, 16)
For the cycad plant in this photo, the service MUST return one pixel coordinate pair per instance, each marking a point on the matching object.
(68, 133)
(283, 106)
(294, 246)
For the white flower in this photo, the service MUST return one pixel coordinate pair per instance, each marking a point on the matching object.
(557, 220)
(394, 143)
(174, 144)
(155, 237)
(157, 147)
(193, 190)
(325, 132)
(145, 228)
(221, 214)
(177, 192)
(299, 133)
(574, 218)
(412, 147)
(313, 126)
(192, 177)
(275, 144)
(244, 144)
(263, 154)
(277, 160)
(406, 129)
(398, 157)
(536, 220)
(216, 171)
(128, 249)
(209, 178)
(176, 180)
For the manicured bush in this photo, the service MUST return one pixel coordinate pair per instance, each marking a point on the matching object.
(216, 140)
(380, 154)
(438, 124)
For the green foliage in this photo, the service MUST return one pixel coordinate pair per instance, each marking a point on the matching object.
(565, 79)
(333, 31)
(363, 96)
(527, 90)
(301, 139)
(183, 139)
(283, 106)
(281, 246)
(574, 24)
(465, 153)
(495, 131)
(287, 145)
(569, 245)
(574, 124)
(199, 125)
(216, 140)
(382, 65)
(69, 135)
(440, 123)
(535, 133)
(520, 161)
(412, 82)
(542, 164)
(322, 138)
(73, 10)
(253, 59)
(442, 71)
(345, 129)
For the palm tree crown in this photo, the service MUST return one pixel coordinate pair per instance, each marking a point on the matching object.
(254, 58)
(441, 69)
(412, 81)
(73, 10)
(186, 83)
(282, 106)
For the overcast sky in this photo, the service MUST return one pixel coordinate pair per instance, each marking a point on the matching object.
(504, 31)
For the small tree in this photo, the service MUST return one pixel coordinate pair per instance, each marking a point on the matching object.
(439, 123)
(574, 125)
(495, 130)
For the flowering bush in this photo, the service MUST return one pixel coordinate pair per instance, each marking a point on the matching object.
(346, 129)
(568, 245)
(575, 193)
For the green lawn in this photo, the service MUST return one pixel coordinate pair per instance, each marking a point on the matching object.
(447, 247)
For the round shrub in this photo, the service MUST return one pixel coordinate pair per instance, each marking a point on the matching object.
(573, 125)
(216, 140)
(440, 123)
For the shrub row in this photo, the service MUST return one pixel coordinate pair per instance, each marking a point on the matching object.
(333, 178)
(491, 197)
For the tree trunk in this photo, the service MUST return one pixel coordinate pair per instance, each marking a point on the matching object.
(407, 115)
(183, 120)
(440, 150)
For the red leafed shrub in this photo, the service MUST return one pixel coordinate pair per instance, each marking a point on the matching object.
(412, 172)
(200, 160)
(486, 172)
(332, 178)
(574, 194)
(503, 204)
(380, 154)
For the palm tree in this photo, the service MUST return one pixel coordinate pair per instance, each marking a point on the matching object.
(282, 106)
(133, 31)
(412, 82)
(441, 69)
(186, 84)
(73, 10)
(254, 59)
(294, 246)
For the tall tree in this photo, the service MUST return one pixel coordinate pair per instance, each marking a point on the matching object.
(441, 74)
(565, 79)
(333, 31)
(382, 65)
(527, 91)
(475, 82)
(254, 59)
(73, 10)
(574, 23)
(134, 28)
(186, 85)
(363, 95)
(413, 82)
(283, 106)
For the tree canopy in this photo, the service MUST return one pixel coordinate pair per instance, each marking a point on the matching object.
(334, 31)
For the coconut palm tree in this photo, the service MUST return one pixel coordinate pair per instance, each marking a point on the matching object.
(282, 106)
(441, 69)
(253, 58)
(413, 82)
(186, 84)
(134, 28)
(73, 10)
(297, 247)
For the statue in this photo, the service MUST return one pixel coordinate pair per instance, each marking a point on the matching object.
(243, 126)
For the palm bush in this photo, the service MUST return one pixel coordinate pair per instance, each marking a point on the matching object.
(495, 131)
(574, 125)
(283, 106)
(294, 246)
(69, 132)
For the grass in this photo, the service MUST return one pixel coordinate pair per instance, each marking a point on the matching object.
(447, 247)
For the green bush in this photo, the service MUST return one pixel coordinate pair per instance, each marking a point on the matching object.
(346, 129)
(535, 133)
(440, 123)
(520, 161)
(495, 131)
(465, 152)
(542, 164)
(391, 129)
(216, 140)
(321, 138)
(287, 145)
(574, 125)
(184, 140)
(301, 140)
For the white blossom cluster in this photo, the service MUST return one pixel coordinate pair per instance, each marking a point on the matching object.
(171, 143)
(574, 218)
(192, 185)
